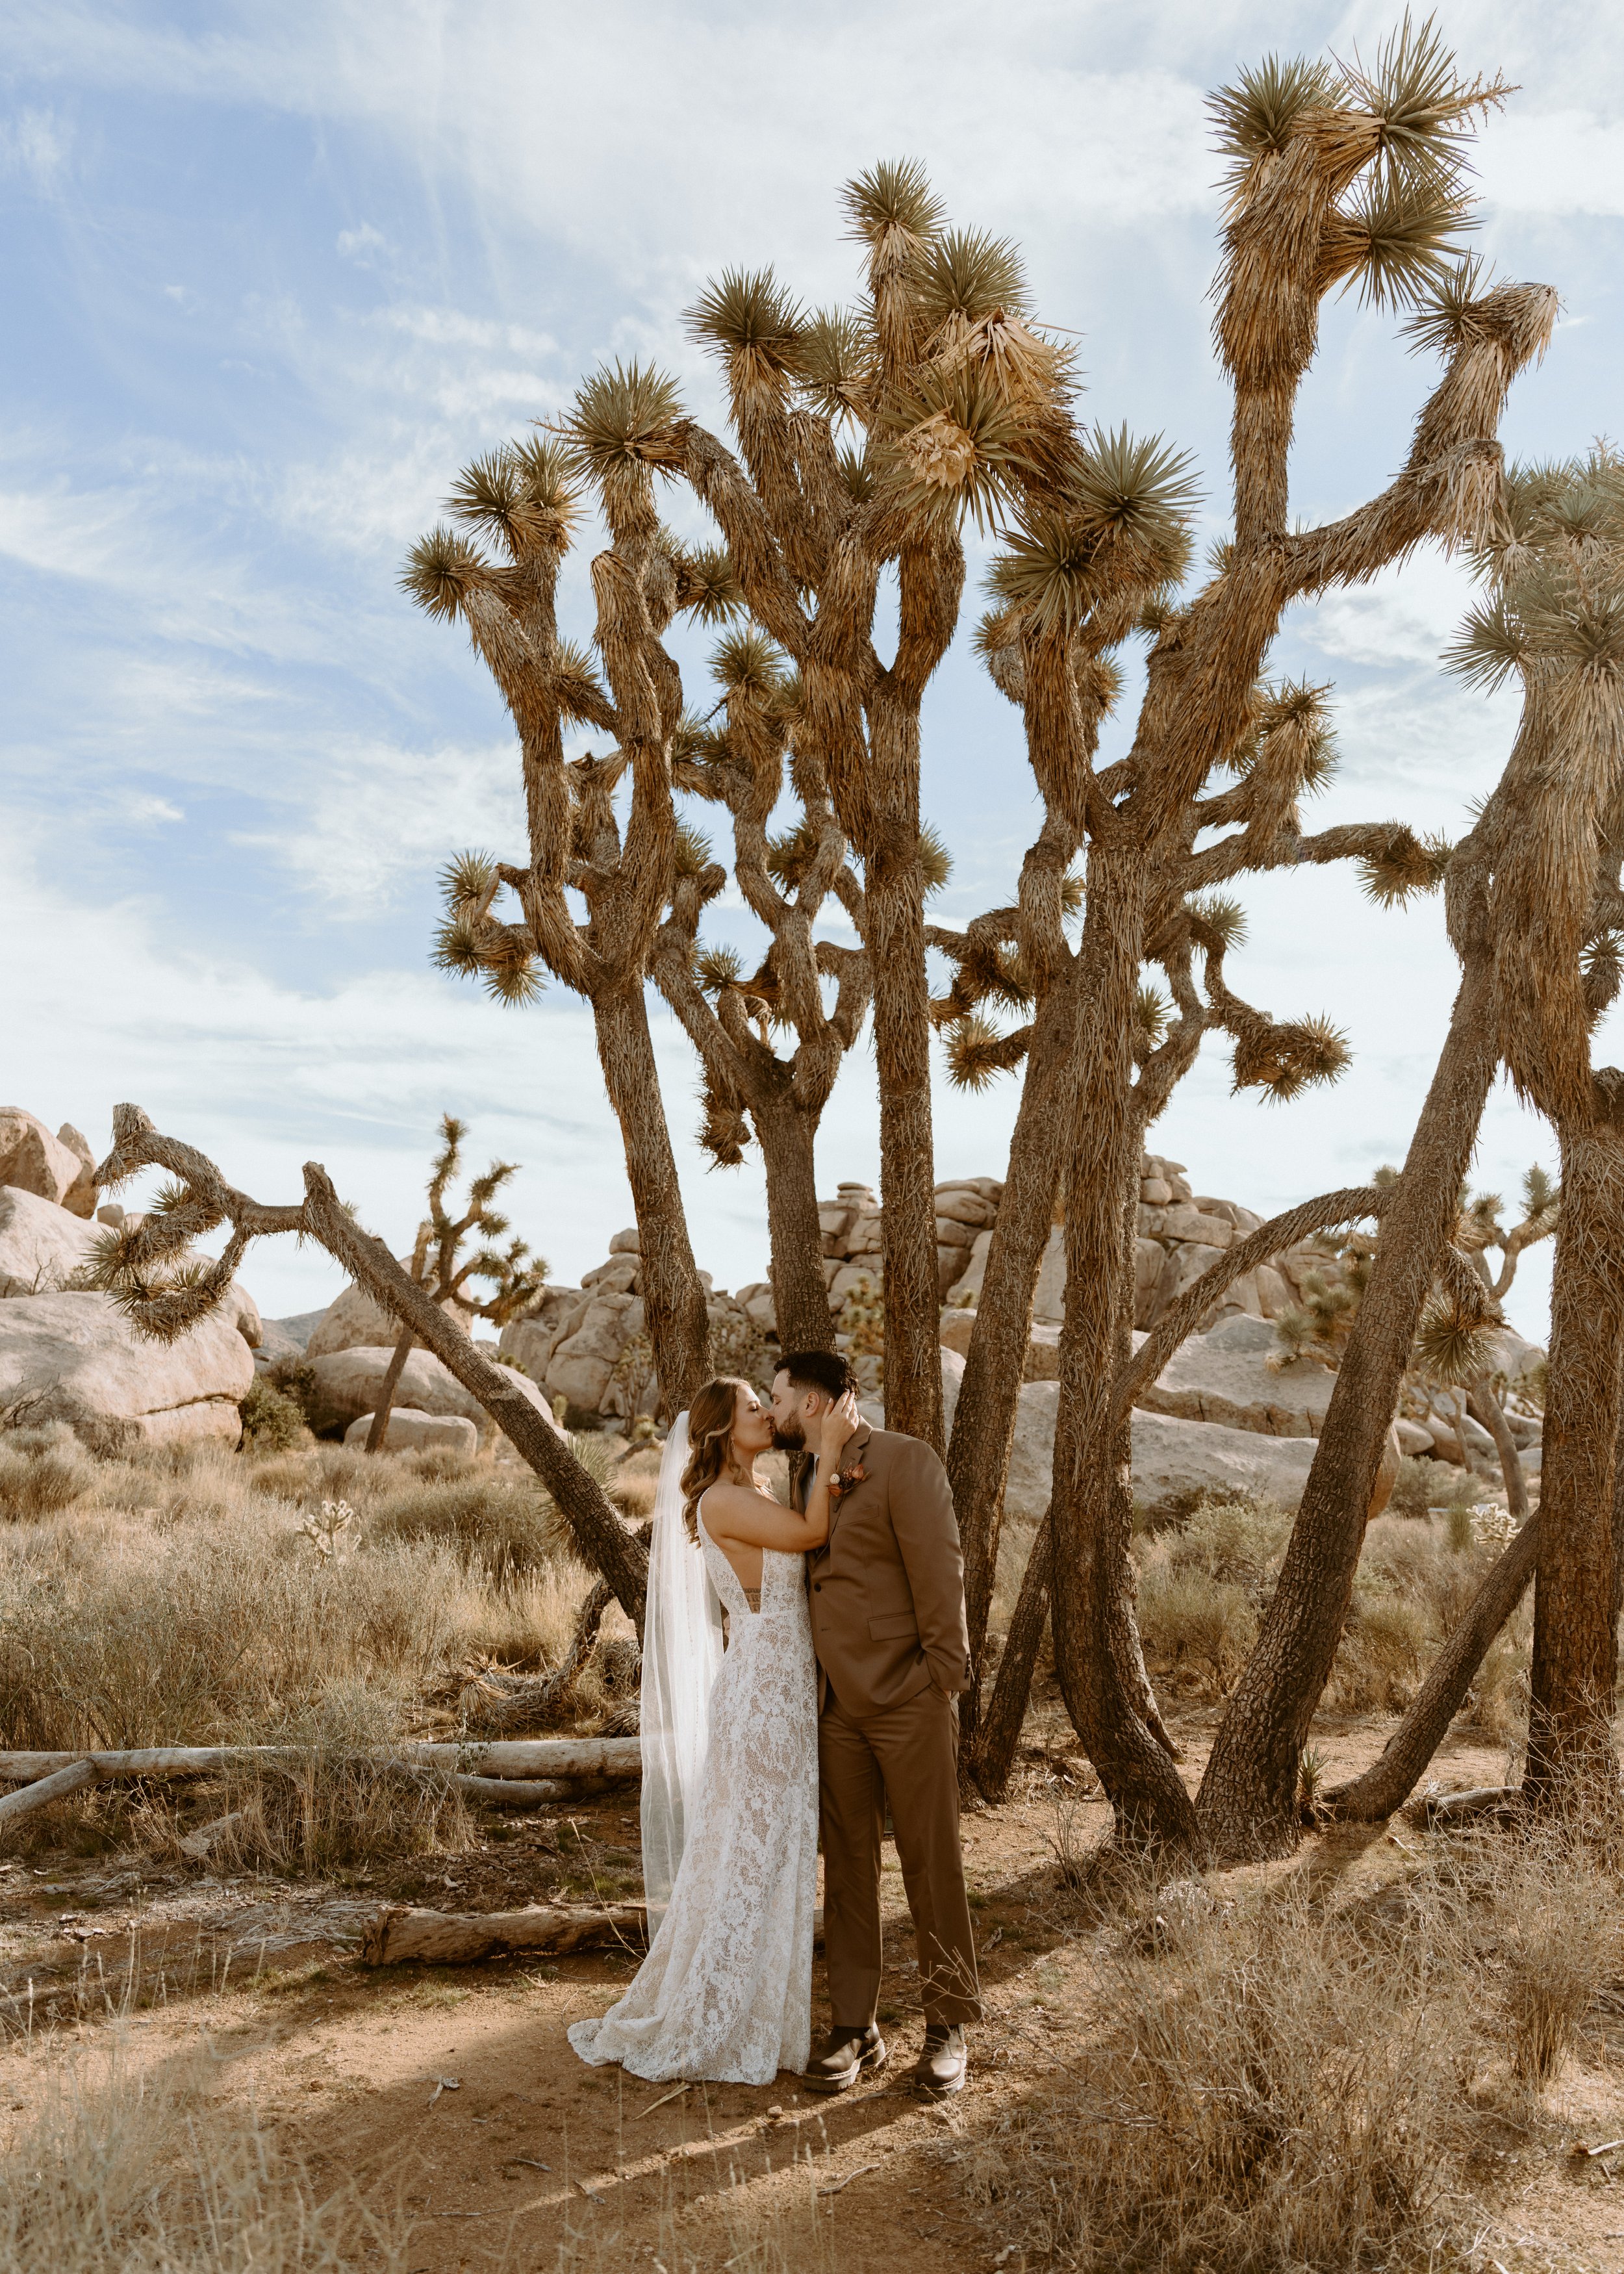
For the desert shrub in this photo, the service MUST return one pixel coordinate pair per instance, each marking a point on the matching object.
(508, 1527)
(1427, 1484)
(634, 1495)
(1202, 1585)
(296, 1379)
(1260, 2102)
(1307, 2078)
(144, 1636)
(1497, 1702)
(272, 1421)
(117, 2166)
(1385, 1646)
(339, 1794)
(1234, 1539)
(1203, 1626)
(41, 1470)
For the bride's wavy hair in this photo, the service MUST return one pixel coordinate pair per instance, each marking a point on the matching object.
(710, 1432)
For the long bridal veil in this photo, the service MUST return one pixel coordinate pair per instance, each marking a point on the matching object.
(682, 1653)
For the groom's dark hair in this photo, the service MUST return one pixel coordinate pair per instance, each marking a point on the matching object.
(824, 1370)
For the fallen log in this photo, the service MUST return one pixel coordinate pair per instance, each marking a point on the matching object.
(519, 1792)
(73, 1777)
(1492, 1802)
(570, 1759)
(399, 1935)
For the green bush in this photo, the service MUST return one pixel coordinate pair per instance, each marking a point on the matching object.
(294, 1378)
(272, 1421)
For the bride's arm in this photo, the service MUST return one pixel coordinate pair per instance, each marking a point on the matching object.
(749, 1519)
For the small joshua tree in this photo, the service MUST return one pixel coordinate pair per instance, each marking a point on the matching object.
(442, 1270)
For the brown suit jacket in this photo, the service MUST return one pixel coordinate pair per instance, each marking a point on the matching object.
(886, 1592)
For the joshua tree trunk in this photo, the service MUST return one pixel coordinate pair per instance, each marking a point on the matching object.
(1571, 1760)
(978, 1457)
(1096, 1641)
(1485, 1408)
(992, 1754)
(885, 812)
(396, 1366)
(673, 1296)
(1388, 1782)
(799, 1299)
(1248, 1799)
(896, 944)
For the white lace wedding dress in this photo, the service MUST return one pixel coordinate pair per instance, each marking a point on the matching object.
(725, 1991)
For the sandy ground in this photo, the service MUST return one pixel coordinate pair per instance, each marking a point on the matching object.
(453, 2092)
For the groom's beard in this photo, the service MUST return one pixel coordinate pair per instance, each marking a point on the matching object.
(788, 1437)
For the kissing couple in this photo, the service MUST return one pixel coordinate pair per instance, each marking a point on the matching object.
(835, 1699)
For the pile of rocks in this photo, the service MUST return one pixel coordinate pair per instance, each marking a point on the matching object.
(1230, 1409)
(1181, 1233)
(67, 1354)
(584, 1351)
(589, 1345)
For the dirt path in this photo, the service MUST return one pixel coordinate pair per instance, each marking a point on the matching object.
(455, 2093)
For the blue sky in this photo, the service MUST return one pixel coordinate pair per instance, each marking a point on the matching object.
(271, 276)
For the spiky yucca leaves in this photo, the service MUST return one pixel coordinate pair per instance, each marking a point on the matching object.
(1555, 620)
(1404, 864)
(975, 1052)
(754, 325)
(441, 571)
(1452, 1343)
(835, 367)
(949, 444)
(148, 1270)
(1153, 1013)
(746, 663)
(472, 944)
(724, 1130)
(1291, 733)
(620, 427)
(522, 494)
(1344, 176)
(708, 584)
(1282, 1058)
(1257, 118)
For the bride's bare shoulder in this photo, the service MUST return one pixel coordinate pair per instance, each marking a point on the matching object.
(721, 1502)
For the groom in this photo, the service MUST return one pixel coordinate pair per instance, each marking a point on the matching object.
(886, 1594)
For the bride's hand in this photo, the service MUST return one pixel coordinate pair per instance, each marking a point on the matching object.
(841, 1421)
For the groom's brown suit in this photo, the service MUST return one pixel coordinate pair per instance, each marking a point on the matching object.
(886, 1594)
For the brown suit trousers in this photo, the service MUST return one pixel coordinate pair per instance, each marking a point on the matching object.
(910, 1754)
(886, 1595)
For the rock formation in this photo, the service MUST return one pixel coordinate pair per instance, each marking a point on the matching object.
(69, 1355)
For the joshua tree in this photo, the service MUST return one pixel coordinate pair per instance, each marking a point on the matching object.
(958, 406)
(438, 1268)
(1287, 753)
(162, 1290)
(1555, 833)
(1337, 175)
(1451, 1345)
(524, 501)
(729, 1015)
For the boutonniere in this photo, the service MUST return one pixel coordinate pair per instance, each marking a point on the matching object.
(843, 1480)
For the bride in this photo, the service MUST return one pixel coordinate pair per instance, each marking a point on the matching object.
(730, 1758)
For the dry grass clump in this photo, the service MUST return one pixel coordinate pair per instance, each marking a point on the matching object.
(187, 1595)
(113, 2167)
(1205, 1583)
(1291, 2081)
(41, 1470)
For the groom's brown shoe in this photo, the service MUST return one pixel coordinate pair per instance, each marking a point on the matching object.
(846, 2055)
(940, 2068)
